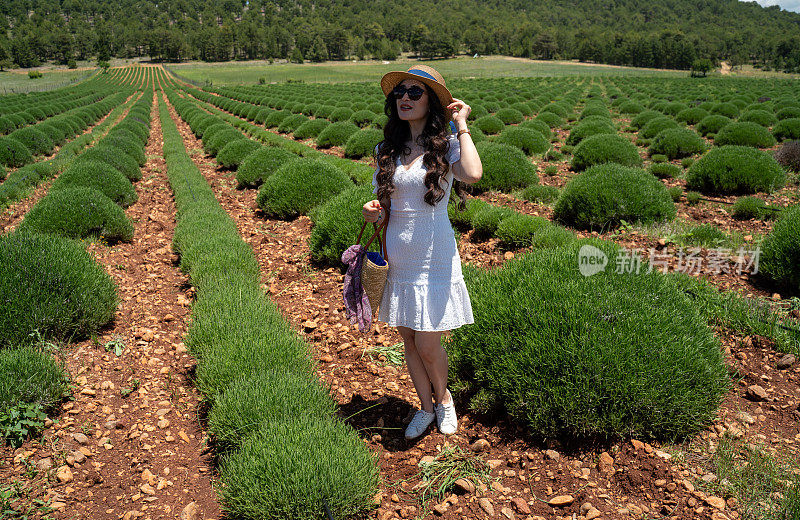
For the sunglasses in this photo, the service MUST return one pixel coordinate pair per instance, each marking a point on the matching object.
(414, 93)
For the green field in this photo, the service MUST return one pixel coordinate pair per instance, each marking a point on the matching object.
(236, 73)
(18, 81)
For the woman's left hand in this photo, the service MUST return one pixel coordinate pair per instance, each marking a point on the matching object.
(459, 111)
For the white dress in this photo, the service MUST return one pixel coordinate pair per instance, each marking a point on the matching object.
(425, 289)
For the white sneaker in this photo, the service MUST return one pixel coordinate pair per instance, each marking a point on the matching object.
(446, 418)
(419, 424)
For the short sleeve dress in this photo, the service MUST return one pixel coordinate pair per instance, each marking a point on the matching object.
(425, 289)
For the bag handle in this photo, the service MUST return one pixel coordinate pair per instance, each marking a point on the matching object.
(376, 234)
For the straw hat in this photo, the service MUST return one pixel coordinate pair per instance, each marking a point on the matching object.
(422, 73)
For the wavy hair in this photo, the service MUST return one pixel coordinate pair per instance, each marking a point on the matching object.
(433, 140)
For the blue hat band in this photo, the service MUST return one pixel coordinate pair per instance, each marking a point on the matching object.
(422, 73)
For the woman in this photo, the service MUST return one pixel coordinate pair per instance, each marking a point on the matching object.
(425, 293)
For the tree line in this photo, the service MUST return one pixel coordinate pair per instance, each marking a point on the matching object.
(661, 33)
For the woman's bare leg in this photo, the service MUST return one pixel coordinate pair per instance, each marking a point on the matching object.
(416, 369)
(434, 358)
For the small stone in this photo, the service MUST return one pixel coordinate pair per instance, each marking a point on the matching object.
(607, 459)
(586, 506)
(147, 489)
(427, 459)
(745, 418)
(688, 485)
(479, 445)
(309, 325)
(561, 500)
(440, 509)
(756, 393)
(486, 505)
(148, 477)
(508, 255)
(78, 456)
(506, 511)
(521, 506)
(671, 487)
(592, 514)
(64, 474)
(551, 454)
(637, 445)
(716, 502)
(716, 515)
(190, 512)
(465, 486)
(786, 361)
(80, 438)
(660, 482)
(44, 464)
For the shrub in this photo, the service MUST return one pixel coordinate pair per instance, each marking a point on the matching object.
(780, 254)
(659, 158)
(665, 170)
(735, 170)
(509, 116)
(260, 164)
(126, 164)
(656, 126)
(602, 148)
(517, 230)
(233, 153)
(726, 109)
(286, 468)
(34, 139)
(550, 119)
(504, 168)
(645, 117)
(78, 212)
(538, 125)
(788, 113)
(220, 140)
(340, 114)
(276, 117)
(489, 124)
(271, 396)
(362, 143)
(744, 134)
(100, 176)
(630, 108)
(760, 117)
(337, 222)
(606, 194)
(675, 192)
(310, 128)
(363, 118)
(336, 134)
(292, 123)
(676, 143)
(51, 284)
(589, 128)
(555, 108)
(540, 193)
(300, 185)
(650, 371)
(13, 153)
(529, 141)
(746, 208)
(687, 161)
(691, 116)
(787, 129)
(693, 198)
(463, 219)
(30, 376)
(788, 155)
(127, 145)
(486, 219)
(712, 124)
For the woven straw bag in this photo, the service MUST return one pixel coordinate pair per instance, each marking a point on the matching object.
(375, 266)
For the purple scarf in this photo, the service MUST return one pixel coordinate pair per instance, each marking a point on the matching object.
(356, 303)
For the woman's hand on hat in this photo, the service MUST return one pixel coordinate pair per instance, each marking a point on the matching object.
(460, 111)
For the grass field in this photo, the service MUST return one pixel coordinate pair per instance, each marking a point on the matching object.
(234, 73)
(18, 81)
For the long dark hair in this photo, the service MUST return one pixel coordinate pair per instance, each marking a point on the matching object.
(433, 140)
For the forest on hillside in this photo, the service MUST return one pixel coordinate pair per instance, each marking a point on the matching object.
(658, 33)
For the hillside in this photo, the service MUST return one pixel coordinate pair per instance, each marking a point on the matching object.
(662, 33)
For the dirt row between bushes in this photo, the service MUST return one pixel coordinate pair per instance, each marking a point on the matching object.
(11, 216)
(130, 445)
(529, 478)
